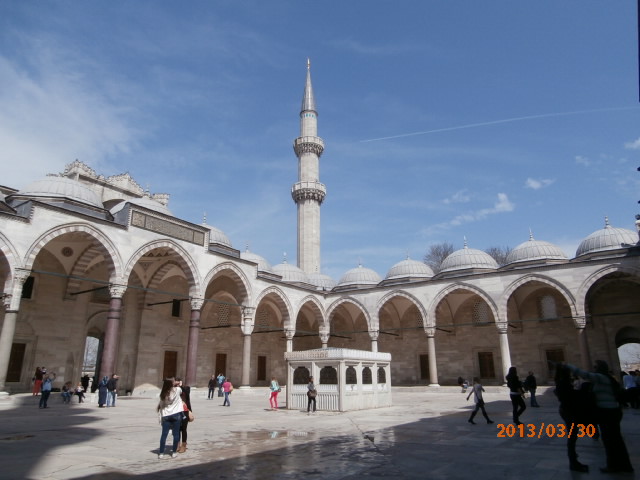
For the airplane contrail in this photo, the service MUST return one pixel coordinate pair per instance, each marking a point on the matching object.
(495, 122)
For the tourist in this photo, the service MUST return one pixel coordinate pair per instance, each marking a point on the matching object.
(221, 379)
(213, 383)
(515, 394)
(187, 414)
(312, 393)
(112, 390)
(609, 414)
(102, 391)
(66, 393)
(275, 389)
(47, 385)
(227, 388)
(37, 380)
(530, 385)
(574, 410)
(477, 390)
(170, 411)
(79, 392)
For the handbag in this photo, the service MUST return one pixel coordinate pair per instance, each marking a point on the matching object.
(312, 393)
(192, 417)
(279, 389)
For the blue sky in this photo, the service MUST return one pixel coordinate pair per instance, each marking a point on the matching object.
(441, 120)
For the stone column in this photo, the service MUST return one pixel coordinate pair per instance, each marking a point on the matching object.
(112, 331)
(192, 345)
(289, 333)
(324, 337)
(247, 330)
(374, 334)
(504, 348)
(11, 303)
(431, 351)
(583, 344)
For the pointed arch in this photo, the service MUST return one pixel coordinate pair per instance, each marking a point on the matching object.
(80, 268)
(105, 245)
(406, 295)
(597, 275)
(560, 288)
(238, 276)
(352, 301)
(316, 303)
(283, 302)
(431, 317)
(183, 259)
(12, 258)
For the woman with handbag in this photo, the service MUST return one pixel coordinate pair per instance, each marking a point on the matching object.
(170, 412)
(275, 389)
(187, 414)
(515, 394)
(312, 393)
(477, 397)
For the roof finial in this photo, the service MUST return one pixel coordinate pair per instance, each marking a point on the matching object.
(246, 247)
(284, 260)
(465, 242)
(407, 254)
(530, 235)
(204, 218)
(606, 222)
(308, 64)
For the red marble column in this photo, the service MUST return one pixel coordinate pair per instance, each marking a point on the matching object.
(112, 331)
(192, 346)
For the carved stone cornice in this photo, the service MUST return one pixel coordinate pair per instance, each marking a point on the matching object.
(301, 191)
(308, 144)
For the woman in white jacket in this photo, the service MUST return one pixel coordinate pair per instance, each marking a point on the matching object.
(170, 411)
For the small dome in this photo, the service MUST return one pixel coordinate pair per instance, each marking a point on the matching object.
(263, 265)
(62, 187)
(321, 280)
(535, 250)
(608, 238)
(216, 235)
(360, 276)
(467, 258)
(410, 268)
(146, 202)
(290, 273)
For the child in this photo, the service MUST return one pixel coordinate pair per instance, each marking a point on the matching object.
(477, 394)
(80, 393)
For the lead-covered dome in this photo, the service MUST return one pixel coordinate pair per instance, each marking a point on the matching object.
(216, 235)
(409, 269)
(359, 276)
(535, 250)
(290, 273)
(62, 187)
(322, 281)
(263, 265)
(468, 258)
(608, 238)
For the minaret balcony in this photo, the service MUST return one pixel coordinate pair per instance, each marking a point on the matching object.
(308, 191)
(308, 144)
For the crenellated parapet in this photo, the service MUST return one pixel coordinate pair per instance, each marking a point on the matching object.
(308, 144)
(301, 191)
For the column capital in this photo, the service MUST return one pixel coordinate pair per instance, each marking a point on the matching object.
(6, 300)
(248, 312)
(503, 327)
(374, 334)
(196, 303)
(324, 336)
(430, 331)
(580, 322)
(117, 291)
(20, 275)
(289, 333)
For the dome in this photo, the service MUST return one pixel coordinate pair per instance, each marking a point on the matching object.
(62, 187)
(608, 238)
(535, 250)
(146, 202)
(321, 280)
(467, 258)
(360, 276)
(217, 236)
(290, 273)
(410, 268)
(263, 265)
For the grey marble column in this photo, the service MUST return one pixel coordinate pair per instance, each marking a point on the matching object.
(583, 344)
(505, 353)
(192, 345)
(431, 351)
(374, 334)
(112, 331)
(11, 303)
(247, 330)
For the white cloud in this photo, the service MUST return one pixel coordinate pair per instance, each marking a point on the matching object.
(460, 196)
(580, 160)
(538, 184)
(502, 205)
(635, 145)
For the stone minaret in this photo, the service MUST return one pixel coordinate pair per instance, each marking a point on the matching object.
(308, 192)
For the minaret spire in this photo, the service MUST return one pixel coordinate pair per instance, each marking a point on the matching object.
(308, 193)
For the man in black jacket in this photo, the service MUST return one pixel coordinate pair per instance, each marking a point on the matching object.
(530, 386)
(112, 390)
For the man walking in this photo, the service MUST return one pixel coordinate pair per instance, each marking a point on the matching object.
(531, 385)
(112, 390)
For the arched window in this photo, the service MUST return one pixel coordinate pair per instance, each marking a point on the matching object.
(367, 378)
(481, 313)
(351, 377)
(382, 375)
(301, 376)
(547, 307)
(328, 376)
